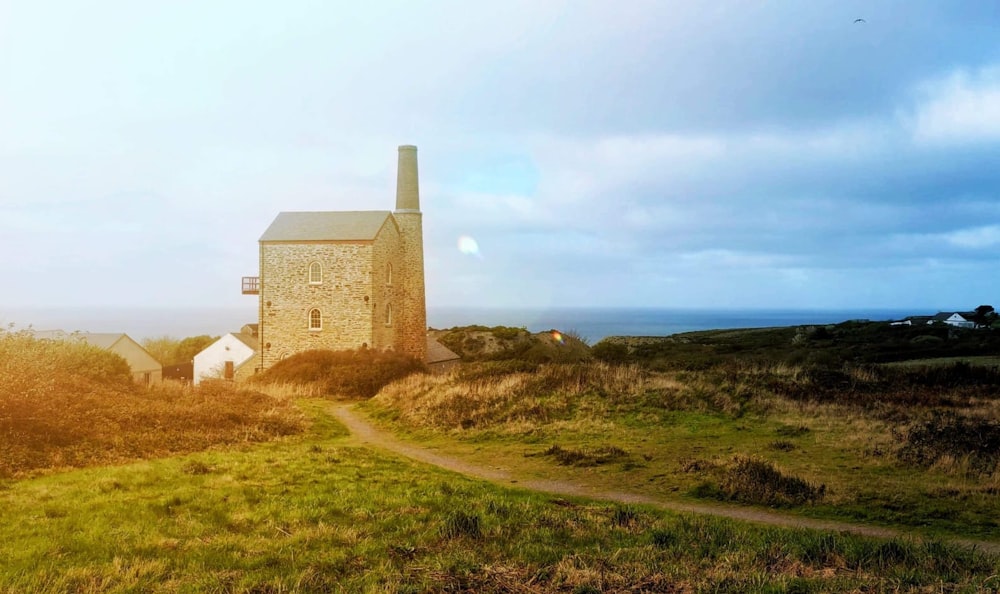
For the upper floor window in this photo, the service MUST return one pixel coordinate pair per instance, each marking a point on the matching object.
(388, 314)
(315, 273)
(315, 320)
(388, 274)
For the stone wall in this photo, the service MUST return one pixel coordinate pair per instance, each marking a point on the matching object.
(287, 297)
(411, 330)
(385, 253)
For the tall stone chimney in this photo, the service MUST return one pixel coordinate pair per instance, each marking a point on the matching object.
(407, 184)
(411, 331)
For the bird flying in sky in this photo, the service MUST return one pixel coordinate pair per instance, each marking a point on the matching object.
(860, 21)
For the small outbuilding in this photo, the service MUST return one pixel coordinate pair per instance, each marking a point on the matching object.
(440, 359)
(229, 358)
(181, 372)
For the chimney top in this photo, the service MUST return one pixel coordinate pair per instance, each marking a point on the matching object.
(407, 185)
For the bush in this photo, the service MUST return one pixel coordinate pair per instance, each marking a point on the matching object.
(946, 433)
(610, 352)
(353, 373)
(755, 481)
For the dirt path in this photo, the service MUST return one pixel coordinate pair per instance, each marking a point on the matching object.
(367, 434)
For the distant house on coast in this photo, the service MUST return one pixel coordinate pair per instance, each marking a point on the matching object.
(951, 318)
(232, 357)
(145, 368)
(957, 319)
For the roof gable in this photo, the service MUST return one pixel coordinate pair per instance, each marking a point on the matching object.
(247, 339)
(104, 340)
(356, 225)
(438, 353)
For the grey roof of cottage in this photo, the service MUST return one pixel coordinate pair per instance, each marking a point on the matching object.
(353, 225)
(438, 353)
(247, 339)
(104, 340)
(944, 315)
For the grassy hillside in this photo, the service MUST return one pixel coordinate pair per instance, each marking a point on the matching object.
(910, 446)
(314, 513)
(828, 346)
(69, 404)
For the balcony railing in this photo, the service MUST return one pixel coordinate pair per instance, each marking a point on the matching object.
(251, 285)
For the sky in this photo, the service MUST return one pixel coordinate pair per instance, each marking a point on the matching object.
(732, 154)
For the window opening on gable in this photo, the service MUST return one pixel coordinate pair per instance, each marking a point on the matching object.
(315, 320)
(388, 315)
(388, 274)
(315, 274)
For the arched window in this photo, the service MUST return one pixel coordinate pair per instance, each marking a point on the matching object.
(315, 274)
(388, 314)
(315, 320)
(388, 274)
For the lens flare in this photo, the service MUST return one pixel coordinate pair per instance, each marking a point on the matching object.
(468, 246)
(558, 337)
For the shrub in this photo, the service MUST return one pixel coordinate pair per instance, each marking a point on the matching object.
(946, 433)
(353, 373)
(755, 481)
(610, 352)
(596, 457)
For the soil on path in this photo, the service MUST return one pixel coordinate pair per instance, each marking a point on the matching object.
(365, 433)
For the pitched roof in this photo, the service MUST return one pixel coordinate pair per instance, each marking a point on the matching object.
(104, 340)
(247, 339)
(355, 225)
(944, 315)
(438, 353)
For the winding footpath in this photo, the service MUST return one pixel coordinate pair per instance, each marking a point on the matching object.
(367, 434)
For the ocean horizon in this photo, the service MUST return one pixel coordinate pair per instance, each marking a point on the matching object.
(593, 324)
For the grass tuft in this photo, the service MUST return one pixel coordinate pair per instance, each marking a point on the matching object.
(461, 524)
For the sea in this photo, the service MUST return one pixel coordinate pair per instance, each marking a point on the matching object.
(592, 324)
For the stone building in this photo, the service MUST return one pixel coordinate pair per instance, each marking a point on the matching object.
(344, 280)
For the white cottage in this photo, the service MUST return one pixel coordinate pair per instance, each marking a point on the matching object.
(957, 319)
(228, 358)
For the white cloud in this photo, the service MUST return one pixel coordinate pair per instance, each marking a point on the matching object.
(961, 107)
(975, 237)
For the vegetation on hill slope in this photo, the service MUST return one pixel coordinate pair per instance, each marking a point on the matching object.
(66, 403)
(913, 446)
(315, 513)
(483, 343)
(351, 373)
(826, 346)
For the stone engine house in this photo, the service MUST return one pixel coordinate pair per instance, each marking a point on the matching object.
(344, 280)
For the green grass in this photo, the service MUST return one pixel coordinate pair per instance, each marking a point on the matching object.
(316, 513)
(681, 436)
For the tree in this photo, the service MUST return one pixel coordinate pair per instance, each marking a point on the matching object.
(170, 351)
(161, 347)
(984, 316)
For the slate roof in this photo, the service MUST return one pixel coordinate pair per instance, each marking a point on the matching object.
(247, 339)
(355, 225)
(944, 315)
(438, 353)
(104, 340)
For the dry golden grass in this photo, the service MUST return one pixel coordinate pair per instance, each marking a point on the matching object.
(65, 404)
(482, 394)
